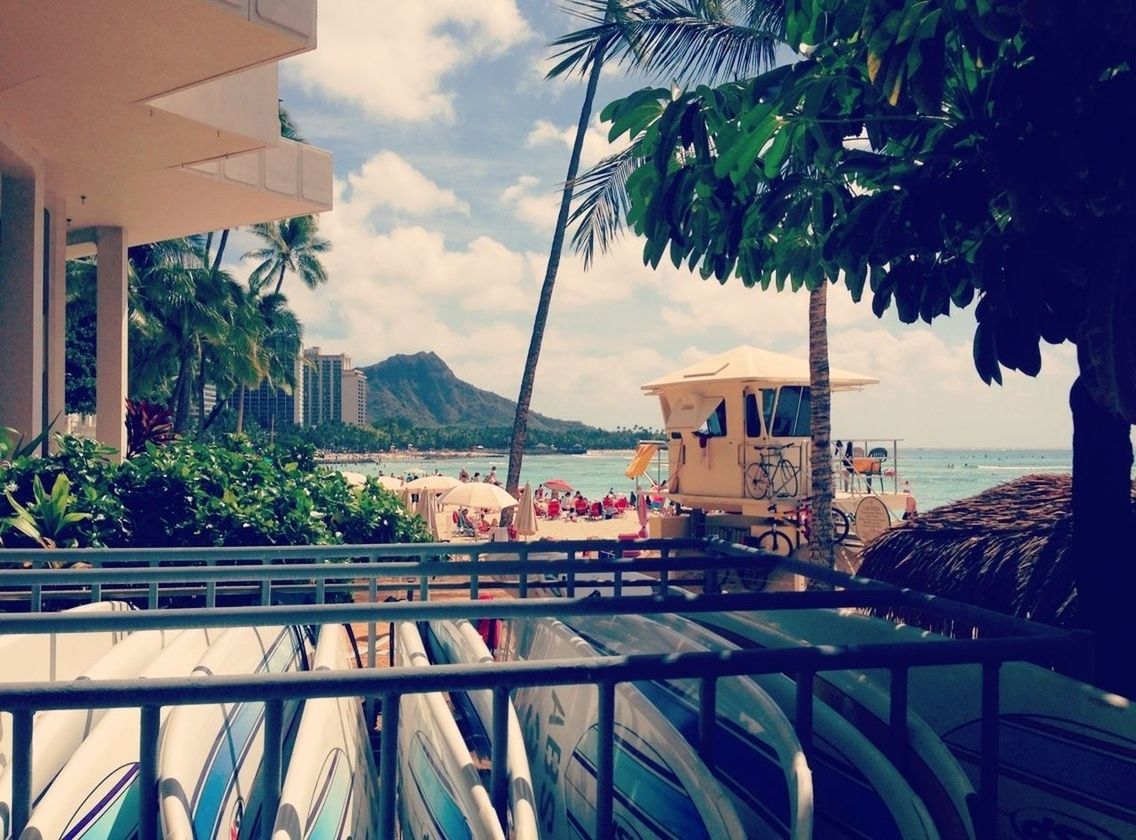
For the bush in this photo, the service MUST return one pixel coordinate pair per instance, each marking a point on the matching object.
(227, 493)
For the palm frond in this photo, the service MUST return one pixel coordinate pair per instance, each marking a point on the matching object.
(603, 203)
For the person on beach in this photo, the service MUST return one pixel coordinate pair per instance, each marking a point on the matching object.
(910, 509)
(463, 476)
(846, 461)
(477, 476)
(492, 477)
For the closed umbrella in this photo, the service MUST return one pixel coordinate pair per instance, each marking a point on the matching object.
(641, 509)
(526, 523)
(477, 494)
(427, 510)
(559, 485)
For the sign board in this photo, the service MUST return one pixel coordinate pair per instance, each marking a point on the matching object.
(872, 518)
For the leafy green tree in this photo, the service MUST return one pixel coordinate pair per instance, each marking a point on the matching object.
(956, 152)
(292, 245)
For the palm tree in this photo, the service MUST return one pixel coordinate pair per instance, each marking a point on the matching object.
(695, 41)
(291, 245)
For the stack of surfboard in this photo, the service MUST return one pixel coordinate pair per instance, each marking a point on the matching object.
(85, 764)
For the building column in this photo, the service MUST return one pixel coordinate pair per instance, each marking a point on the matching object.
(21, 304)
(56, 255)
(110, 343)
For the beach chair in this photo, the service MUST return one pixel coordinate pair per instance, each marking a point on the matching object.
(554, 509)
(595, 510)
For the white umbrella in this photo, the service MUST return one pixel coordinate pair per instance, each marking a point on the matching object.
(478, 495)
(427, 510)
(355, 479)
(432, 483)
(525, 522)
(391, 482)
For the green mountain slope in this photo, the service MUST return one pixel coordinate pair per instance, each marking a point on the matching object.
(422, 389)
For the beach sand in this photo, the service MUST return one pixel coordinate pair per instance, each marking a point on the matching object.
(562, 529)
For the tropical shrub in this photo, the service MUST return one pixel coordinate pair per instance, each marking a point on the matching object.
(228, 493)
(147, 423)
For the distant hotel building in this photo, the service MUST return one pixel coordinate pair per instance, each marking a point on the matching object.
(334, 391)
(272, 407)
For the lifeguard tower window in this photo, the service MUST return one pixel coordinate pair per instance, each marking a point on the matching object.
(791, 417)
(715, 425)
(753, 419)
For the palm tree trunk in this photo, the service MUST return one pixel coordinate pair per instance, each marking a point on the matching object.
(201, 391)
(280, 280)
(241, 408)
(524, 398)
(182, 390)
(820, 422)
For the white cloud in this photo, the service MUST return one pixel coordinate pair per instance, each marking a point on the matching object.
(596, 147)
(390, 59)
(386, 180)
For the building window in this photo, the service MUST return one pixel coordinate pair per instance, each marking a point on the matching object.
(715, 425)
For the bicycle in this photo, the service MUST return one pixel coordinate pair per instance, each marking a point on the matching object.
(779, 542)
(766, 478)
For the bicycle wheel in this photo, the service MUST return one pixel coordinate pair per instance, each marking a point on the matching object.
(785, 483)
(757, 481)
(841, 524)
(775, 542)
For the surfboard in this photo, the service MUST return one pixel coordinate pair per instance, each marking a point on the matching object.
(756, 757)
(857, 792)
(1067, 750)
(50, 657)
(934, 773)
(210, 756)
(661, 788)
(441, 793)
(459, 642)
(58, 733)
(331, 783)
(95, 794)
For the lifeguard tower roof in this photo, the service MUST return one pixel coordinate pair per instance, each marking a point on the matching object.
(747, 364)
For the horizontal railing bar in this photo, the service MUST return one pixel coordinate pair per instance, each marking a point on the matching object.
(978, 616)
(260, 553)
(98, 694)
(386, 611)
(325, 571)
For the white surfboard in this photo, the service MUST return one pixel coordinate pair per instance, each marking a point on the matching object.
(441, 793)
(661, 788)
(459, 642)
(331, 784)
(1067, 749)
(51, 657)
(57, 733)
(210, 756)
(95, 795)
(934, 773)
(756, 757)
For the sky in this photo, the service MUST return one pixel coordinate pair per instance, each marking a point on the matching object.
(450, 148)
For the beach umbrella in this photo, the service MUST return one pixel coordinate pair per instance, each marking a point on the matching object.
(432, 483)
(641, 509)
(391, 482)
(428, 511)
(355, 479)
(525, 522)
(477, 494)
(559, 485)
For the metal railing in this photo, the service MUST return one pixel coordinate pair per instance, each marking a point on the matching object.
(1020, 640)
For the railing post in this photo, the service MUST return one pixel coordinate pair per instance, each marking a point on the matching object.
(988, 786)
(148, 795)
(474, 579)
(273, 747)
(210, 588)
(37, 597)
(152, 591)
(388, 766)
(265, 589)
(96, 592)
(707, 718)
(805, 710)
(21, 770)
(499, 778)
(605, 761)
(321, 590)
(372, 642)
(618, 588)
(898, 723)
(423, 581)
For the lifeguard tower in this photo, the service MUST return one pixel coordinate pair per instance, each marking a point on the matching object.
(738, 438)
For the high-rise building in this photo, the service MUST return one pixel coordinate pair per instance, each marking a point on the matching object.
(355, 397)
(272, 407)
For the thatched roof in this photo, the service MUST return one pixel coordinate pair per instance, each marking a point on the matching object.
(1006, 549)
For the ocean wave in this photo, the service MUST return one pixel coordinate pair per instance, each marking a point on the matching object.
(1027, 467)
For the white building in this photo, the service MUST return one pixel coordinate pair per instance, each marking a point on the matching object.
(123, 123)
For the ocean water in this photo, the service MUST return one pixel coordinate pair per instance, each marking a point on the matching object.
(937, 476)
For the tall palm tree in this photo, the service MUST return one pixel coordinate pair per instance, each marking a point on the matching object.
(691, 41)
(290, 245)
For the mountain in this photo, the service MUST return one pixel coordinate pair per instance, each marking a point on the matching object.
(422, 389)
